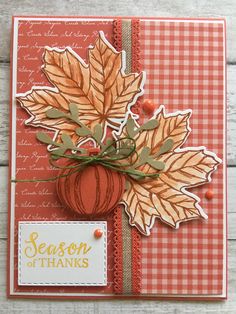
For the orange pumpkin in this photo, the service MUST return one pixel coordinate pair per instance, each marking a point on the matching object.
(92, 192)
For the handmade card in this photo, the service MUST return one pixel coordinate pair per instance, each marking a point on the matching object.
(118, 158)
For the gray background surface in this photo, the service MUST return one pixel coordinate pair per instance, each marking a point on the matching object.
(161, 8)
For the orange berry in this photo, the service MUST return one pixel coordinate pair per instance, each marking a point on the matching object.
(98, 233)
(209, 194)
(93, 150)
(148, 106)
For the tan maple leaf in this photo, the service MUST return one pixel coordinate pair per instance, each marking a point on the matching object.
(166, 197)
(100, 89)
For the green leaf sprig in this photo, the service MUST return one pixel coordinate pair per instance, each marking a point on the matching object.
(116, 154)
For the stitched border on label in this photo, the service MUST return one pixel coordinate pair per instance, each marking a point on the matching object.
(104, 223)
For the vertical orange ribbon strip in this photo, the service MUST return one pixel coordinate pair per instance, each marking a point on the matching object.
(127, 240)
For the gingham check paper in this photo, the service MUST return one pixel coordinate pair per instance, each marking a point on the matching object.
(184, 62)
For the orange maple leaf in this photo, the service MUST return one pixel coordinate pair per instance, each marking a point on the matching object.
(166, 197)
(101, 90)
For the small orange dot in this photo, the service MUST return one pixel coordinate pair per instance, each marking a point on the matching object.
(93, 151)
(98, 233)
(148, 106)
(209, 194)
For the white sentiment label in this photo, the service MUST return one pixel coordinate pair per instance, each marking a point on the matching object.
(61, 253)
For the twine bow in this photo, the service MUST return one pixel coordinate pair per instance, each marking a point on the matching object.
(112, 154)
(109, 157)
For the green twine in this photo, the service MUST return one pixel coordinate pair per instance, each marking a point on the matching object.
(103, 158)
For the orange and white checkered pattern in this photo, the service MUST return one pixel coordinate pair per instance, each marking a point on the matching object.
(184, 62)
